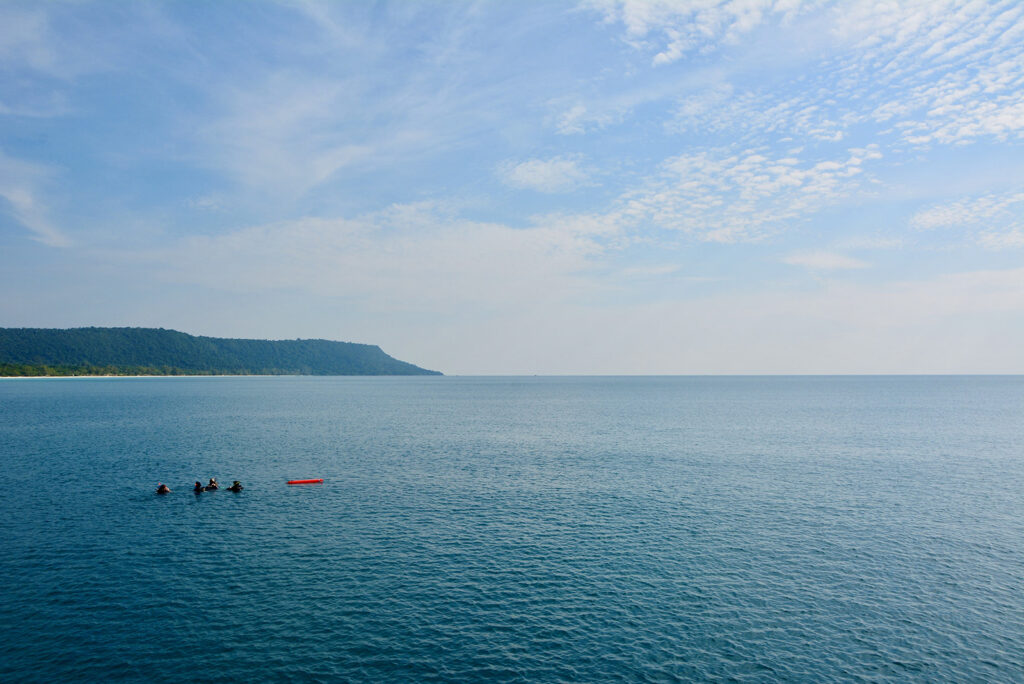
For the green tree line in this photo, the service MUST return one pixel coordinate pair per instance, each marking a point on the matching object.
(156, 351)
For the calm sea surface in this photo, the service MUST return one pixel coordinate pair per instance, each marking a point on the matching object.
(513, 529)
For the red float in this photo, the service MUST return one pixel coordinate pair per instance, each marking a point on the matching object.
(317, 481)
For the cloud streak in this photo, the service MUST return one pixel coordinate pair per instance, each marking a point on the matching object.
(824, 261)
(559, 174)
(418, 257)
(20, 184)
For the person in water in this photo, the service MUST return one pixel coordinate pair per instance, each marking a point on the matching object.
(161, 488)
(213, 484)
(198, 488)
(236, 486)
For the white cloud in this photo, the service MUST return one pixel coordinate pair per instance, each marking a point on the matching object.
(54, 40)
(1011, 237)
(966, 212)
(281, 134)
(208, 202)
(824, 261)
(47, 105)
(289, 133)
(362, 95)
(26, 38)
(723, 196)
(994, 220)
(573, 120)
(20, 183)
(416, 257)
(674, 28)
(754, 114)
(559, 174)
(320, 13)
(577, 115)
(870, 242)
(932, 71)
(942, 71)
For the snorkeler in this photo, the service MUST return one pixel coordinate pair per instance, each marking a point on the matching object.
(213, 484)
(161, 488)
(198, 489)
(236, 486)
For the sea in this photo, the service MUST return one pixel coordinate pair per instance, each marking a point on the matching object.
(513, 529)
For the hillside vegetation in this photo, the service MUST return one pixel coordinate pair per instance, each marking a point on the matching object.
(156, 351)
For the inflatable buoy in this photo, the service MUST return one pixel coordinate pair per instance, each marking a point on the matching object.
(317, 481)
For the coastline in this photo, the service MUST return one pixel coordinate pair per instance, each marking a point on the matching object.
(130, 377)
(208, 375)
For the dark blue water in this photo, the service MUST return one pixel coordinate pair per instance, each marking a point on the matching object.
(527, 529)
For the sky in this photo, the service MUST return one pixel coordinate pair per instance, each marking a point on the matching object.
(594, 187)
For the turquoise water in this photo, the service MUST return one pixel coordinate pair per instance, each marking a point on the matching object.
(513, 529)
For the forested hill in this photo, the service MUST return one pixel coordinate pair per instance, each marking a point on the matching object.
(155, 351)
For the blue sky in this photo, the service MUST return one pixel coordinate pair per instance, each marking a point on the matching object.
(609, 186)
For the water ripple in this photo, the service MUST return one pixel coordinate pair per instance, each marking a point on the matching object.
(519, 530)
